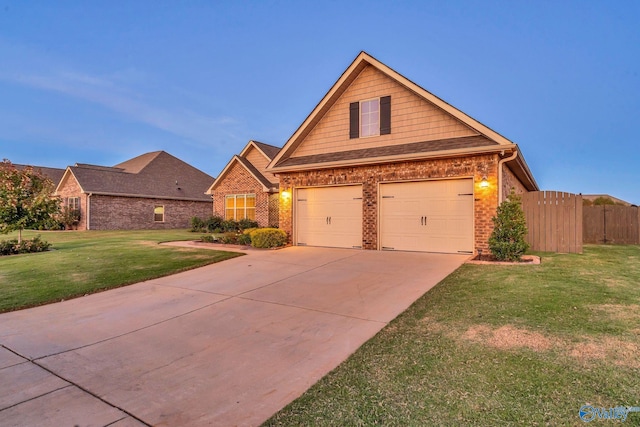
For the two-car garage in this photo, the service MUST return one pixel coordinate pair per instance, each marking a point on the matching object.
(426, 216)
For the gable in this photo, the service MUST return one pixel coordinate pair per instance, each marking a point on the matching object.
(260, 161)
(413, 119)
(238, 178)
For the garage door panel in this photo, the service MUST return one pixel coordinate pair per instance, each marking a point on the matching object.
(329, 216)
(432, 216)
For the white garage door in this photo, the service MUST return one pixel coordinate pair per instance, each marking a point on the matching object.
(329, 216)
(428, 216)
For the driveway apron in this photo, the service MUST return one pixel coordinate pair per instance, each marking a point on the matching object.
(226, 344)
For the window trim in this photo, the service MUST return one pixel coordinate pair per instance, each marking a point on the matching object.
(384, 117)
(235, 207)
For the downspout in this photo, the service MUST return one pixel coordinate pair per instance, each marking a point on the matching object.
(500, 163)
(89, 211)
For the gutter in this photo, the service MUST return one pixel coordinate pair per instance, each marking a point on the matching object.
(500, 163)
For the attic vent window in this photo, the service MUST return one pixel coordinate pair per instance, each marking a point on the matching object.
(370, 117)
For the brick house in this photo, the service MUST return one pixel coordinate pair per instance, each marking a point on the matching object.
(383, 164)
(244, 189)
(152, 191)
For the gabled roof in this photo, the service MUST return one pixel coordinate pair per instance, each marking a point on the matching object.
(151, 175)
(284, 161)
(268, 151)
(54, 174)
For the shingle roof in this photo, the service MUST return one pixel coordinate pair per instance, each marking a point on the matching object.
(54, 174)
(157, 174)
(391, 150)
(255, 172)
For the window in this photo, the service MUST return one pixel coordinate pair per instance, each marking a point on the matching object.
(240, 206)
(158, 214)
(370, 118)
(73, 203)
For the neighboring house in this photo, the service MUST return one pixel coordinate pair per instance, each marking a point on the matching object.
(381, 163)
(54, 174)
(245, 190)
(152, 191)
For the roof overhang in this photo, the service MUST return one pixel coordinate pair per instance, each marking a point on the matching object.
(236, 159)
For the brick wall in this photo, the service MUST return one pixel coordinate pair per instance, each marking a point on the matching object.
(485, 204)
(71, 188)
(238, 181)
(509, 181)
(131, 213)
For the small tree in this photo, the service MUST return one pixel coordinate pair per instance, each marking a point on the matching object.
(25, 199)
(510, 226)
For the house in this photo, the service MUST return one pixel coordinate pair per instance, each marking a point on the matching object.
(244, 189)
(383, 164)
(152, 191)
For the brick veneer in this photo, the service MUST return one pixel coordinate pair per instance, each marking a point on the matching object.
(238, 180)
(71, 188)
(133, 213)
(485, 201)
(510, 181)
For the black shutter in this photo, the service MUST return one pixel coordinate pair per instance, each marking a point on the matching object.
(385, 115)
(354, 120)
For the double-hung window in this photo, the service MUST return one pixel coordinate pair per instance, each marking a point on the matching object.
(158, 213)
(240, 206)
(371, 117)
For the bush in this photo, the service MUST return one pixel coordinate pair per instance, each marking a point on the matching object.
(268, 238)
(213, 224)
(510, 226)
(229, 238)
(197, 225)
(12, 247)
(228, 226)
(244, 239)
(245, 223)
(208, 238)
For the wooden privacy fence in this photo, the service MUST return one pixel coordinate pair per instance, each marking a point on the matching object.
(554, 221)
(612, 224)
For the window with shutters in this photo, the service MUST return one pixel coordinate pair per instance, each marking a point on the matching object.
(371, 117)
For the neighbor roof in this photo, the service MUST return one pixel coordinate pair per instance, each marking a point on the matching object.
(54, 174)
(487, 141)
(151, 175)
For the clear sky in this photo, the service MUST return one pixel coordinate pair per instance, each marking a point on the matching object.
(103, 81)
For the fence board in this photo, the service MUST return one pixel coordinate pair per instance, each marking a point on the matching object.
(611, 224)
(554, 220)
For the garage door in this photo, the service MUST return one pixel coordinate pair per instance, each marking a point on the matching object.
(429, 216)
(329, 216)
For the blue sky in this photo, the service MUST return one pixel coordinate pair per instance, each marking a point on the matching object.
(101, 82)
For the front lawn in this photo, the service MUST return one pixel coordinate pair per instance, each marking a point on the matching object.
(83, 262)
(496, 345)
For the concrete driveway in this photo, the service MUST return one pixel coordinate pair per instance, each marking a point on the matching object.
(227, 344)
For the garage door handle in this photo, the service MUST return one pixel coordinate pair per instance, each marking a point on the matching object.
(421, 220)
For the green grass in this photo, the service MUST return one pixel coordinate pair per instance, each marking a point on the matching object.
(496, 345)
(83, 262)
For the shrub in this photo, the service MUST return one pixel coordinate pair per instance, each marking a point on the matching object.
(12, 247)
(229, 238)
(510, 226)
(244, 239)
(249, 230)
(228, 225)
(208, 238)
(197, 225)
(213, 224)
(245, 223)
(268, 238)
